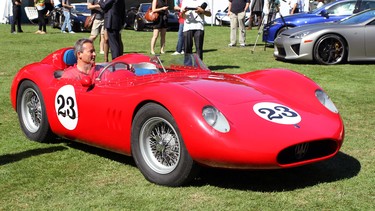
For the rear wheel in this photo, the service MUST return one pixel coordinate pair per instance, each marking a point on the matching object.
(330, 49)
(32, 113)
(158, 148)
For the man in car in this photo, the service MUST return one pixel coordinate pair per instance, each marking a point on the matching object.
(84, 51)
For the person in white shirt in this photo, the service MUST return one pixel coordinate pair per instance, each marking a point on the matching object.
(193, 11)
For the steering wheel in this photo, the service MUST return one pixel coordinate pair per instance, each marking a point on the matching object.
(112, 67)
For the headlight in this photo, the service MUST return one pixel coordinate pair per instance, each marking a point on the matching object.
(300, 35)
(216, 119)
(325, 100)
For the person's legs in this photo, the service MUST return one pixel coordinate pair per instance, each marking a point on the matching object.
(155, 36)
(105, 45)
(163, 33)
(19, 19)
(242, 29)
(13, 24)
(199, 39)
(233, 29)
(188, 42)
(40, 20)
(114, 40)
(67, 20)
(180, 41)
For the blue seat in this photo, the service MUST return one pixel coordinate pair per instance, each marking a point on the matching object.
(69, 57)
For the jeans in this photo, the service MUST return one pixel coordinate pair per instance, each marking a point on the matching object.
(66, 22)
(180, 41)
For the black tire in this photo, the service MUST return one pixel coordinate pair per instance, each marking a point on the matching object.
(330, 49)
(158, 148)
(32, 113)
(138, 25)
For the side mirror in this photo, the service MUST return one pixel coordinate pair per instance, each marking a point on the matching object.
(324, 13)
(86, 81)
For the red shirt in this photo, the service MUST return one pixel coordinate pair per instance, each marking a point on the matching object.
(74, 73)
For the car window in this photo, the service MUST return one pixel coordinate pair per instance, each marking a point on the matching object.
(343, 8)
(367, 5)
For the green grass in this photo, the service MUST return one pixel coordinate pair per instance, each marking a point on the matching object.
(72, 176)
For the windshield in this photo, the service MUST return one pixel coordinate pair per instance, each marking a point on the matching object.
(359, 18)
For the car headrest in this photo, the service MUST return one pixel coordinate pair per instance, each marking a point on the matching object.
(69, 57)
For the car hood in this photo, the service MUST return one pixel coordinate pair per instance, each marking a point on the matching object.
(228, 89)
(316, 27)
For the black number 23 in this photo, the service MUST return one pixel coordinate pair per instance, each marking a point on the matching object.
(69, 111)
(278, 112)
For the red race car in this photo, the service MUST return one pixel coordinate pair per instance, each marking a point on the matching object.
(175, 116)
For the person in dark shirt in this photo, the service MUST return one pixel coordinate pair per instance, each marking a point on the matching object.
(236, 12)
(16, 16)
(114, 22)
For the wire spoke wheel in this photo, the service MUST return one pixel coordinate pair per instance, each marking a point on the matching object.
(32, 113)
(158, 148)
(159, 145)
(31, 110)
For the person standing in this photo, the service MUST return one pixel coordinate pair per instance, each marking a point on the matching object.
(180, 34)
(16, 17)
(194, 24)
(98, 27)
(160, 25)
(66, 10)
(114, 22)
(256, 11)
(236, 12)
(42, 11)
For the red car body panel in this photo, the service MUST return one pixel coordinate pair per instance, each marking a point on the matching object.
(106, 112)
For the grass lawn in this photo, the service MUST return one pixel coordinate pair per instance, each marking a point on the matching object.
(72, 176)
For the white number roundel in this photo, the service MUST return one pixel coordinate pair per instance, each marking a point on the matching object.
(66, 107)
(277, 113)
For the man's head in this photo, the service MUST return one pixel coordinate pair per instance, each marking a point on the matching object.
(85, 52)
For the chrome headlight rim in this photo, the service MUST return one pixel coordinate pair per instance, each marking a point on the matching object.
(215, 119)
(325, 100)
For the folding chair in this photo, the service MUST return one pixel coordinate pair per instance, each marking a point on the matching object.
(31, 13)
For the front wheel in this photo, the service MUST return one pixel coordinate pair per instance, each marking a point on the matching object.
(32, 113)
(158, 148)
(330, 49)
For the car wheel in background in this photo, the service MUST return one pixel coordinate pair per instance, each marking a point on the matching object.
(138, 25)
(330, 49)
(158, 148)
(32, 113)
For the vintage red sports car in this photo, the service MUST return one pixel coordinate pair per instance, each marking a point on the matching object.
(174, 117)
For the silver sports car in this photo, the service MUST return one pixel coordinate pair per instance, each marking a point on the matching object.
(351, 39)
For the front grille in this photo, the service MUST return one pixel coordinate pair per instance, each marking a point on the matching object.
(307, 151)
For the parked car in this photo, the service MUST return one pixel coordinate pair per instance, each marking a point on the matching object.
(222, 18)
(331, 12)
(351, 39)
(174, 115)
(135, 18)
(78, 16)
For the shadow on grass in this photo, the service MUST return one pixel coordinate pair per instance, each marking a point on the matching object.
(11, 158)
(124, 159)
(222, 67)
(340, 167)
